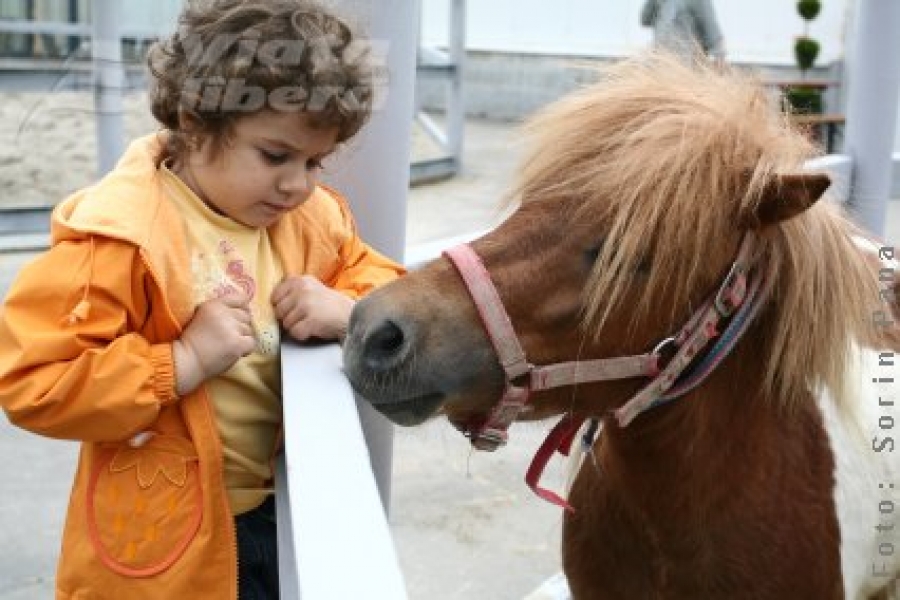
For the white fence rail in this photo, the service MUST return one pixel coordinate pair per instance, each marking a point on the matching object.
(76, 29)
(333, 535)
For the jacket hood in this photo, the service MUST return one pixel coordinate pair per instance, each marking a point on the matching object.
(129, 205)
(102, 209)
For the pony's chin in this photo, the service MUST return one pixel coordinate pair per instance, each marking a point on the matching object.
(412, 411)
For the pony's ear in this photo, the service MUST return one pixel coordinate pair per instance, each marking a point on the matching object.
(784, 197)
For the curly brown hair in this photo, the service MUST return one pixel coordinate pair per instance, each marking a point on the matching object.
(231, 58)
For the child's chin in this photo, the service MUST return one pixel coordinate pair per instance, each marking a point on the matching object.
(263, 223)
(256, 222)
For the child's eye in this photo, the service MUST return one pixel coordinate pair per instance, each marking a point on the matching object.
(313, 164)
(273, 158)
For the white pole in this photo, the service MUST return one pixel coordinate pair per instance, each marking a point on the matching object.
(874, 75)
(106, 50)
(456, 108)
(374, 170)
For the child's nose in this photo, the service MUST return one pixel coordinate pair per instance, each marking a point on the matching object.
(299, 181)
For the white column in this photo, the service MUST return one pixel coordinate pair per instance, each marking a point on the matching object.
(106, 50)
(456, 106)
(872, 105)
(374, 170)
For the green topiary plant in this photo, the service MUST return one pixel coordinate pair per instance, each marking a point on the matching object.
(806, 50)
(809, 9)
(804, 99)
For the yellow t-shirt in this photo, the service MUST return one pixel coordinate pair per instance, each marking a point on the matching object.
(225, 256)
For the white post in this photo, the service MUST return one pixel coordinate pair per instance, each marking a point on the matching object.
(456, 107)
(874, 77)
(374, 172)
(106, 50)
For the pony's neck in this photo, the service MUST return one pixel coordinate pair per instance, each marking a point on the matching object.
(708, 447)
(696, 498)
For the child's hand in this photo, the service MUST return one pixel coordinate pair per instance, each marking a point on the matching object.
(307, 308)
(219, 333)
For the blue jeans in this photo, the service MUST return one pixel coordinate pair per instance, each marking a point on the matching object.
(257, 543)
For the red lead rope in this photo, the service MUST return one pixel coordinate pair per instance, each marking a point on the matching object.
(560, 438)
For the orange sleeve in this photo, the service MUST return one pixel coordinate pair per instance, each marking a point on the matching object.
(87, 377)
(362, 267)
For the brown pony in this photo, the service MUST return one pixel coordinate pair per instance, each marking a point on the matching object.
(734, 336)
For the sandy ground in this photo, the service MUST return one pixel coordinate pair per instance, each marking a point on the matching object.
(48, 143)
(465, 525)
(48, 150)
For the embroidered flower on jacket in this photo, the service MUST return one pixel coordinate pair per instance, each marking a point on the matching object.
(161, 454)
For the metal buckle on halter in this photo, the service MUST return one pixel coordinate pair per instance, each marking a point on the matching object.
(488, 440)
(670, 343)
(732, 292)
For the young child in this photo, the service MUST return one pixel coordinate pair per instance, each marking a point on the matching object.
(150, 329)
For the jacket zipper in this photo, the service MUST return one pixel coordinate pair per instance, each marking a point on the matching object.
(210, 415)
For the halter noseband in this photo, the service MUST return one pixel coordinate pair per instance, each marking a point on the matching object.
(737, 297)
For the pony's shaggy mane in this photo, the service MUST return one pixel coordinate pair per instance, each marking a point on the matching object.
(662, 159)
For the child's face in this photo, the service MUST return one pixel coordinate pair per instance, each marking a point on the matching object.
(267, 168)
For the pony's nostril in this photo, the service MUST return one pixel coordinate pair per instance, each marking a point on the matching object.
(384, 343)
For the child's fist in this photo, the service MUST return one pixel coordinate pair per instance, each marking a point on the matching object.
(307, 308)
(219, 333)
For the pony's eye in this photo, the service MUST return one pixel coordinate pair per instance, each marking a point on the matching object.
(643, 267)
(593, 253)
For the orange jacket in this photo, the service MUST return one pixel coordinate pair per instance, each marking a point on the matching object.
(85, 354)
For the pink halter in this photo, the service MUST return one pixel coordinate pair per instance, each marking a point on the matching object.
(666, 383)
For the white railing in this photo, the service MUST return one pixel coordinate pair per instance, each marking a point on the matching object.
(445, 66)
(334, 540)
(333, 535)
(74, 29)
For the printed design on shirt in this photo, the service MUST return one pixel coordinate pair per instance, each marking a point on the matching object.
(227, 273)
(237, 277)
